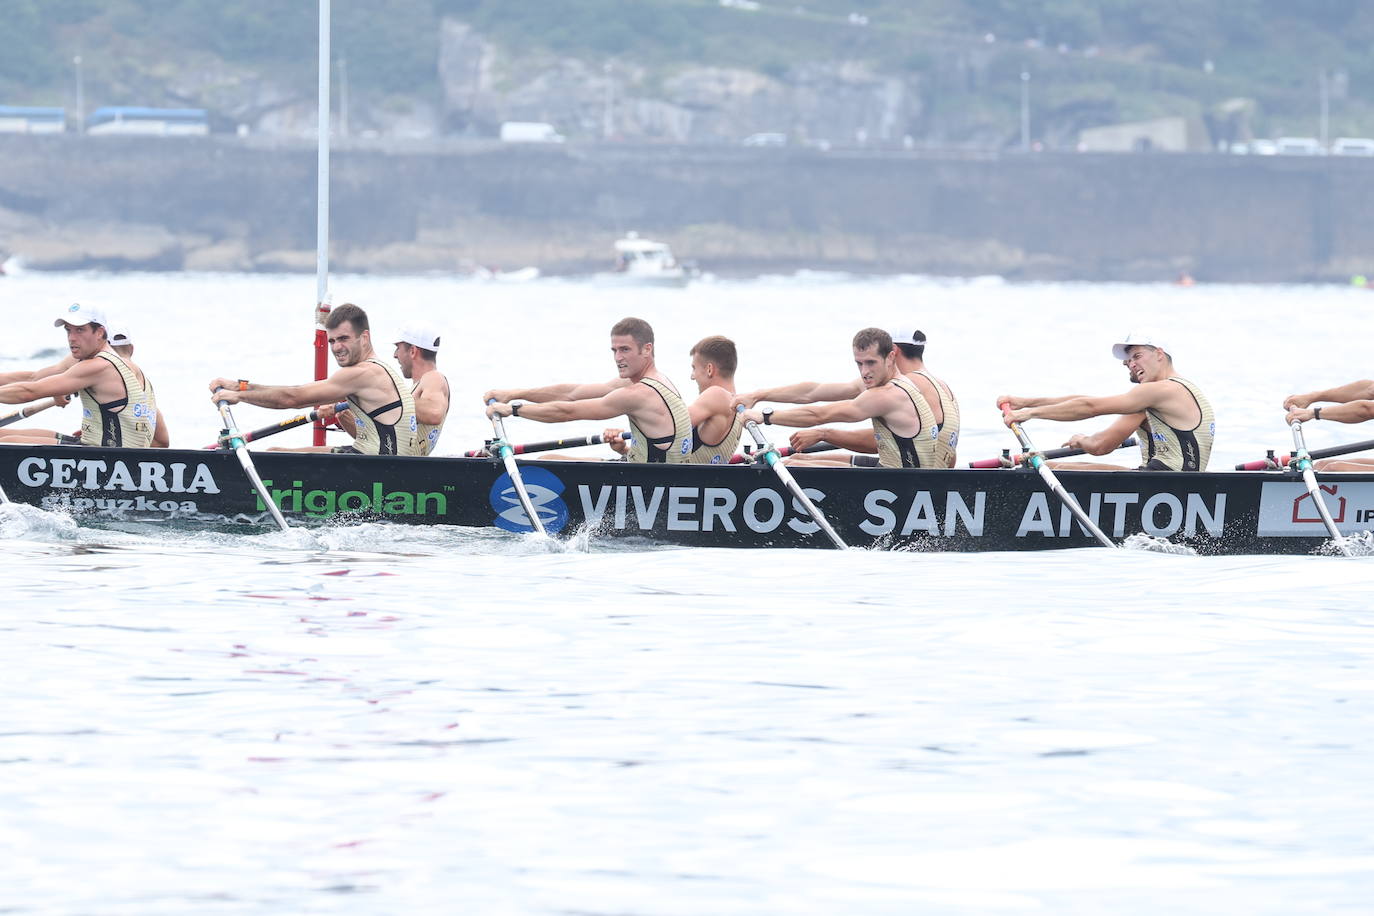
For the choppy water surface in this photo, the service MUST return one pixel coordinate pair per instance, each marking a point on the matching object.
(379, 719)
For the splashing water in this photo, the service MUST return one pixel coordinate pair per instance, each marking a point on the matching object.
(1152, 544)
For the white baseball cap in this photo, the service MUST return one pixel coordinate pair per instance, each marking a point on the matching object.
(78, 314)
(120, 338)
(418, 335)
(1141, 339)
(911, 337)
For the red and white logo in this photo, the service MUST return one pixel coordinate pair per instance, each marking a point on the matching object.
(1308, 513)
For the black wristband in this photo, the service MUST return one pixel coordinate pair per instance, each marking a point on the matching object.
(767, 416)
(1316, 413)
(515, 410)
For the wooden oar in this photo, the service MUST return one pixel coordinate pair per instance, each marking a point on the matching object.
(1303, 461)
(272, 430)
(770, 455)
(1330, 452)
(24, 413)
(1037, 461)
(548, 446)
(1048, 454)
(507, 455)
(231, 434)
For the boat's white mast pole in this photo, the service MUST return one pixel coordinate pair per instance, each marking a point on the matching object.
(322, 212)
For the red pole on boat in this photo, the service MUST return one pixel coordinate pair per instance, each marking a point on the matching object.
(322, 209)
(321, 361)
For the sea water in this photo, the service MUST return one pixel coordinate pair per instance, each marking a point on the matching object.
(389, 719)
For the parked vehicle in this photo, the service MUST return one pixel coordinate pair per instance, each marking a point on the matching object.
(766, 139)
(22, 119)
(164, 122)
(1298, 146)
(1353, 146)
(530, 132)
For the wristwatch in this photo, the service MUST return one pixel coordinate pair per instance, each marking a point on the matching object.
(1316, 413)
(767, 416)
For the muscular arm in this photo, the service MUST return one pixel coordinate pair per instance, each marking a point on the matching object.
(855, 440)
(335, 388)
(1137, 400)
(617, 403)
(26, 375)
(162, 436)
(1362, 390)
(1349, 412)
(81, 374)
(566, 391)
(803, 393)
(1019, 403)
(872, 403)
(431, 406)
(1108, 440)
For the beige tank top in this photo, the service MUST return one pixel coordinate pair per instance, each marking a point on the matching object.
(720, 452)
(1169, 449)
(128, 422)
(918, 451)
(429, 434)
(947, 444)
(679, 444)
(377, 438)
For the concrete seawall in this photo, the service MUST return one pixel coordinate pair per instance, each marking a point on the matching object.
(219, 203)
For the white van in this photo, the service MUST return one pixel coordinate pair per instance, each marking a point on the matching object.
(1298, 146)
(530, 132)
(1353, 146)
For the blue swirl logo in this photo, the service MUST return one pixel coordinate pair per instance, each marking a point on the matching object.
(545, 493)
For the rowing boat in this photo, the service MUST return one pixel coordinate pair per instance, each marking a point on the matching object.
(694, 505)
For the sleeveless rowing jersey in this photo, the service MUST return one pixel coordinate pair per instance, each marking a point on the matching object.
(947, 444)
(644, 449)
(1170, 449)
(127, 422)
(918, 451)
(377, 438)
(429, 434)
(719, 453)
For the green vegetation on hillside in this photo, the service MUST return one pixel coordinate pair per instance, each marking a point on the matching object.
(1097, 59)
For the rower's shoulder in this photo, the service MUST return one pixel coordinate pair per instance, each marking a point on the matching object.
(717, 399)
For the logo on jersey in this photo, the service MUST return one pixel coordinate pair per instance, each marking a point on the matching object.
(686, 445)
(545, 492)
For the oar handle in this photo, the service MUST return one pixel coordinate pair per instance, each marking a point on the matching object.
(25, 412)
(550, 445)
(273, 429)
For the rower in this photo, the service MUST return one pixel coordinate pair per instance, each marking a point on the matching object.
(118, 408)
(1353, 403)
(910, 349)
(1174, 417)
(380, 401)
(716, 426)
(659, 420)
(417, 354)
(904, 429)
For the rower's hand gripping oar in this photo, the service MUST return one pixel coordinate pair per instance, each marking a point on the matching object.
(292, 423)
(1036, 459)
(1302, 460)
(231, 435)
(766, 452)
(507, 455)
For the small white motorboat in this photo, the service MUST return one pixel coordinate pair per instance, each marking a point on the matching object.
(640, 260)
